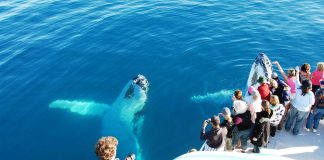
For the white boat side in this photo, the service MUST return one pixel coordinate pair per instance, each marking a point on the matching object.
(212, 155)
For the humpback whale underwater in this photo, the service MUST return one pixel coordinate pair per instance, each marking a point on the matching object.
(120, 119)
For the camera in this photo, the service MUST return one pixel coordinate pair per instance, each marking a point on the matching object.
(130, 157)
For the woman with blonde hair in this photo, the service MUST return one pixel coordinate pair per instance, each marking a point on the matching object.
(273, 84)
(278, 113)
(106, 148)
(317, 75)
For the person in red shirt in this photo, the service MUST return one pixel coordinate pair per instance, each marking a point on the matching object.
(264, 89)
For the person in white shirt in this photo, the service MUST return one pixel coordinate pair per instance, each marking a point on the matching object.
(253, 99)
(300, 105)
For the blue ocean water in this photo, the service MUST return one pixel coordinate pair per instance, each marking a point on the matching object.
(89, 50)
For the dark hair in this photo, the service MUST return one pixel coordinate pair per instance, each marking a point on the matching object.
(306, 86)
(215, 120)
(305, 67)
(319, 95)
(238, 94)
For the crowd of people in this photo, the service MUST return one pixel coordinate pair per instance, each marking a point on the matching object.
(258, 115)
(295, 101)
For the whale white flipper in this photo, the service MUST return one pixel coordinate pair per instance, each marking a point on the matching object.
(119, 119)
(80, 107)
(261, 67)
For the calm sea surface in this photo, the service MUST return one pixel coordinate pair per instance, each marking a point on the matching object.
(89, 50)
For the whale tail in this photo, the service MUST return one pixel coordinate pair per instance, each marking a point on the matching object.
(80, 107)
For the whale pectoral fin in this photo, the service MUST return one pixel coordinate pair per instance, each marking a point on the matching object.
(80, 107)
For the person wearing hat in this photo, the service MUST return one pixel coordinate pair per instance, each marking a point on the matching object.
(300, 105)
(229, 124)
(264, 89)
(215, 138)
(317, 111)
